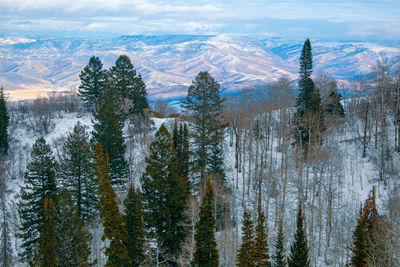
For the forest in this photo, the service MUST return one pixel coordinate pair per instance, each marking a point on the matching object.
(288, 173)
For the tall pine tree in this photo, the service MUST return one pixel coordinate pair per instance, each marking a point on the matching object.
(280, 253)
(261, 251)
(92, 81)
(206, 251)
(113, 221)
(246, 255)
(135, 239)
(299, 250)
(359, 257)
(206, 106)
(77, 175)
(4, 120)
(309, 117)
(333, 107)
(39, 184)
(180, 139)
(165, 197)
(48, 254)
(72, 239)
(107, 130)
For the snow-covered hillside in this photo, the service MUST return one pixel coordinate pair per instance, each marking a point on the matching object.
(33, 65)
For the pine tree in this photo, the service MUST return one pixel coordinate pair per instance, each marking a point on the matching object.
(246, 251)
(206, 105)
(72, 238)
(180, 139)
(107, 131)
(280, 253)
(165, 196)
(359, 257)
(130, 86)
(39, 184)
(299, 250)
(4, 120)
(48, 252)
(261, 251)
(309, 117)
(113, 221)
(333, 106)
(77, 172)
(92, 81)
(206, 252)
(135, 239)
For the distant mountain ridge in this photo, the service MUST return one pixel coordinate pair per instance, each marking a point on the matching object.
(168, 64)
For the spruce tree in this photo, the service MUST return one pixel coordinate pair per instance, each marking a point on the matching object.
(92, 81)
(280, 253)
(246, 251)
(309, 118)
(4, 120)
(39, 184)
(206, 106)
(333, 107)
(206, 252)
(77, 175)
(48, 252)
(72, 237)
(299, 250)
(359, 257)
(113, 221)
(165, 197)
(261, 251)
(107, 130)
(180, 139)
(135, 239)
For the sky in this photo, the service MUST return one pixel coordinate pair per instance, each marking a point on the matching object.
(321, 19)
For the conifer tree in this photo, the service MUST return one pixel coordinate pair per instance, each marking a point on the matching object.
(39, 184)
(92, 81)
(165, 196)
(261, 251)
(4, 120)
(246, 251)
(48, 252)
(130, 86)
(135, 239)
(77, 172)
(299, 250)
(280, 253)
(359, 256)
(206, 106)
(72, 238)
(309, 117)
(107, 130)
(113, 221)
(333, 107)
(180, 139)
(206, 252)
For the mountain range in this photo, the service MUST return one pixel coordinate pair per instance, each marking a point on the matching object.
(34, 65)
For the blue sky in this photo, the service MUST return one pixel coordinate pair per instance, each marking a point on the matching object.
(340, 19)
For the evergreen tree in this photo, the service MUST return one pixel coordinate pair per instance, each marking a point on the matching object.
(206, 252)
(165, 196)
(299, 250)
(107, 131)
(206, 105)
(92, 81)
(4, 120)
(261, 251)
(280, 253)
(359, 256)
(113, 221)
(48, 253)
(246, 255)
(72, 238)
(39, 184)
(180, 139)
(135, 239)
(309, 117)
(130, 86)
(333, 106)
(77, 173)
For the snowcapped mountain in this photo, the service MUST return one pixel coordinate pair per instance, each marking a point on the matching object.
(31, 65)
